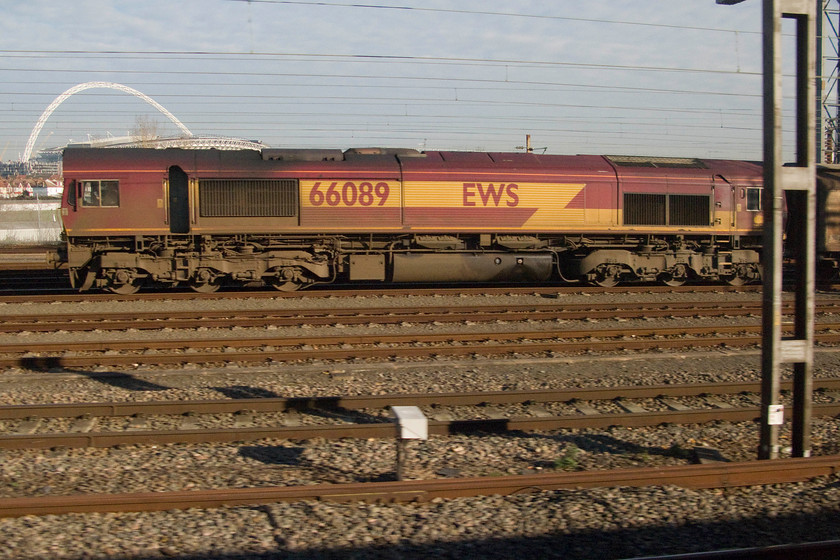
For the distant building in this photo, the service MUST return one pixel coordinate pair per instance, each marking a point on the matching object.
(46, 163)
(185, 142)
(12, 168)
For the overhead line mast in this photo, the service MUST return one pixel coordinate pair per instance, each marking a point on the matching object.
(828, 72)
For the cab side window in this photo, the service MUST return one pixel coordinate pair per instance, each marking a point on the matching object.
(754, 200)
(101, 193)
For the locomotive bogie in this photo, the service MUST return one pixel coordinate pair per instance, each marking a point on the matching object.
(608, 267)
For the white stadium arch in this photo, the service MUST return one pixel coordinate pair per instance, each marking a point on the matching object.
(30, 145)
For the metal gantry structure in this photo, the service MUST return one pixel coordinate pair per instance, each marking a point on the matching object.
(828, 73)
(793, 184)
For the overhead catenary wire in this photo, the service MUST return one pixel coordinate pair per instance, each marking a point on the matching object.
(491, 13)
(422, 93)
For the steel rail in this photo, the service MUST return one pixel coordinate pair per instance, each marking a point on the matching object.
(722, 475)
(384, 315)
(821, 550)
(185, 319)
(15, 266)
(564, 334)
(382, 346)
(360, 402)
(354, 290)
(386, 429)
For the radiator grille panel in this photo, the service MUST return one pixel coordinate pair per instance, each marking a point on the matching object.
(247, 198)
(688, 210)
(666, 210)
(644, 209)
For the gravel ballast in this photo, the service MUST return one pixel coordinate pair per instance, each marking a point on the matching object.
(602, 523)
(599, 523)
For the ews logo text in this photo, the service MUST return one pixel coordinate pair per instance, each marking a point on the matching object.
(481, 194)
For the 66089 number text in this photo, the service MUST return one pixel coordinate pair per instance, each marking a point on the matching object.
(349, 194)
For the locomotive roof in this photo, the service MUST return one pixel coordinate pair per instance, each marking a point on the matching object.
(408, 159)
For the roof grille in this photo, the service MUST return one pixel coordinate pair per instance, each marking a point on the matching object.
(664, 162)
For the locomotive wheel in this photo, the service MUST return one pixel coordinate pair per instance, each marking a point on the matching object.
(204, 282)
(677, 276)
(607, 275)
(744, 274)
(607, 282)
(735, 280)
(204, 287)
(125, 289)
(290, 286)
(124, 282)
(287, 279)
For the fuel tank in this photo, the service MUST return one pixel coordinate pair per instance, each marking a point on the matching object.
(472, 267)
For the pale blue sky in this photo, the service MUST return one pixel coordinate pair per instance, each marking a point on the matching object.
(658, 77)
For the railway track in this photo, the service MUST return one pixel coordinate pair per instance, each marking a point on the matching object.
(381, 315)
(24, 282)
(25, 270)
(229, 420)
(336, 418)
(250, 349)
(35, 265)
(16, 295)
(722, 475)
(714, 475)
(820, 550)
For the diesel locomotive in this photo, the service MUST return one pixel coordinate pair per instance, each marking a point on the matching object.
(293, 218)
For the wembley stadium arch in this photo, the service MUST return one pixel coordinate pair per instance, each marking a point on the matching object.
(33, 137)
(186, 140)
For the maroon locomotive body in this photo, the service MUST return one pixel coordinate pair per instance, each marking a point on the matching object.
(294, 218)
